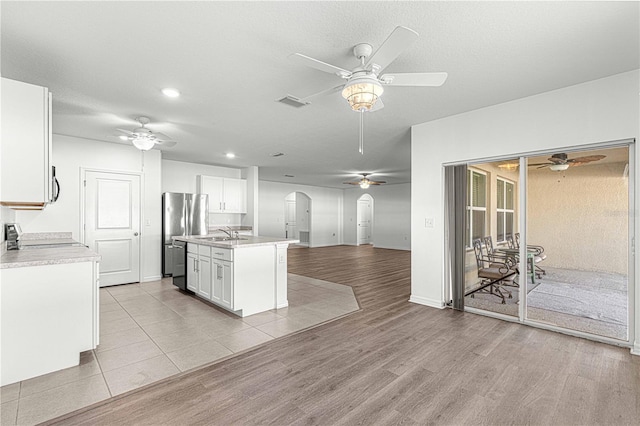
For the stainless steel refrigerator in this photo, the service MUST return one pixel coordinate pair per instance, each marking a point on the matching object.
(182, 215)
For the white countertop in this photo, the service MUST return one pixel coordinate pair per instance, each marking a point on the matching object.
(47, 256)
(246, 242)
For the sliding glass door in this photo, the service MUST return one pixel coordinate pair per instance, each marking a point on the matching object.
(491, 272)
(578, 236)
(570, 269)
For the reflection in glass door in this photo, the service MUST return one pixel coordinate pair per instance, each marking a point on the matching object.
(578, 239)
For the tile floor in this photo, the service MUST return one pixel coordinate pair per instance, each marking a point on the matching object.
(150, 331)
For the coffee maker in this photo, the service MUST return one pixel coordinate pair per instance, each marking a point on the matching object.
(12, 233)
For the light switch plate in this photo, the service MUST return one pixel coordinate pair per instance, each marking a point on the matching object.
(428, 222)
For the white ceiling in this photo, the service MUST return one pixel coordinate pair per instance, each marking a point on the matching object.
(106, 62)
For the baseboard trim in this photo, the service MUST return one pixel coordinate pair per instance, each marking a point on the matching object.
(635, 349)
(392, 248)
(282, 305)
(152, 278)
(433, 303)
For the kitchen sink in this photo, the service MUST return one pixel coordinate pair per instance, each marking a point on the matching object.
(221, 238)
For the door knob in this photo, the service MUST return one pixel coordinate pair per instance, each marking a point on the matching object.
(135, 234)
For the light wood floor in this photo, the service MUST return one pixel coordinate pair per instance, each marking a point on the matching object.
(393, 362)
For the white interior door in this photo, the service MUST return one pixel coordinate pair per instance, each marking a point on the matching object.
(112, 224)
(364, 221)
(290, 219)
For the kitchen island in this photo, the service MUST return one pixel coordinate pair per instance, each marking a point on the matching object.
(49, 309)
(244, 275)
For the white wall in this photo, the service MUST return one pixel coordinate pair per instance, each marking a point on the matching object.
(597, 111)
(70, 154)
(251, 174)
(325, 218)
(391, 215)
(179, 176)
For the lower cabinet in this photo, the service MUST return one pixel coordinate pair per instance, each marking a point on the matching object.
(48, 315)
(192, 271)
(204, 276)
(222, 283)
(210, 274)
(243, 281)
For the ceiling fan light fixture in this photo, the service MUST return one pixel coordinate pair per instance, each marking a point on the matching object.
(558, 167)
(362, 93)
(364, 184)
(143, 143)
(510, 167)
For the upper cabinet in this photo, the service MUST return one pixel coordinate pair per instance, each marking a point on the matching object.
(28, 182)
(226, 195)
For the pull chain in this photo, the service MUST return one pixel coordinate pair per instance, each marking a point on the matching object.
(361, 147)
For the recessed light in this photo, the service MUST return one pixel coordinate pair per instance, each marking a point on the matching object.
(124, 138)
(230, 155)
(171, 93)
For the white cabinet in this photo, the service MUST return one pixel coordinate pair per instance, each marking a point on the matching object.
(204, 276)
(222, 277)
(26, 146)
(226, 195)
(48, 315)
(243, 281)
(192, 272)
(199, 278)
(235, 196)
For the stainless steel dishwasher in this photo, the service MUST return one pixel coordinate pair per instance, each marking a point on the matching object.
(179, 260)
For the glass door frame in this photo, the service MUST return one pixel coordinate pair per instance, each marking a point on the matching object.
(522, 215)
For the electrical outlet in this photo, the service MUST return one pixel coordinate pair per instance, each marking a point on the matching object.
(428, 222)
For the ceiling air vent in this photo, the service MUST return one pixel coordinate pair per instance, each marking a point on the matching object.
(277, 154)
(293, 101)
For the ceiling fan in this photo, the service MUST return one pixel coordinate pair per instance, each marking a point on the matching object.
(560, 162)
(364, 83)
(144, 139)
(365, 182)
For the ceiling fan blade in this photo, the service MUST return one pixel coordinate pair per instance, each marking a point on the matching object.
(586, 159)
(544, 165)
(399, 39)
(433, 79)
(319, 65)
(540, 164)
(556, 160)
(377, 106)
(376, 182)
(166, 144)
(161, 136)
(324, 92)
(351, 183)
(125, 131)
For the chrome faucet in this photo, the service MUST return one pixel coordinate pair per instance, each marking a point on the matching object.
(229, 232)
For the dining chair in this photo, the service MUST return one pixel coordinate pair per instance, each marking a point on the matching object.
(539, 255)
(494, 275)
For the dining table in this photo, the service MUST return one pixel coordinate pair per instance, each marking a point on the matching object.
(515, 254)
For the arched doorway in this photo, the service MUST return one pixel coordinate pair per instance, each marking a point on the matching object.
(297, 217)
(365, 219)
